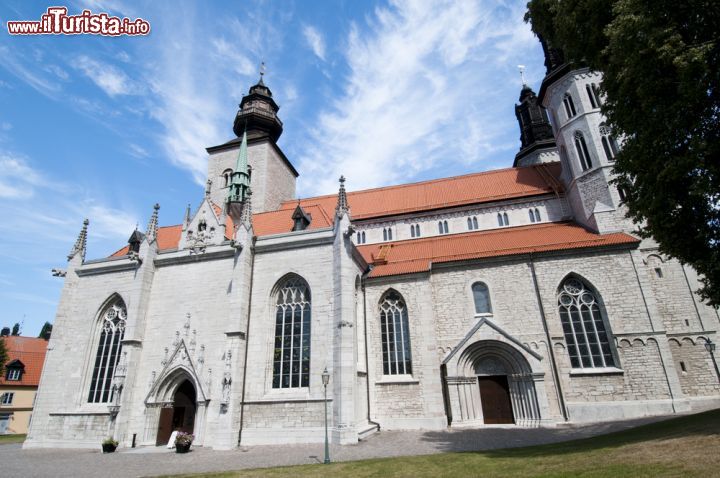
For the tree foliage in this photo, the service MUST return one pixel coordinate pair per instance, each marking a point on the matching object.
(3, 356)
(661, 65)
(46, 331)
(15, 330)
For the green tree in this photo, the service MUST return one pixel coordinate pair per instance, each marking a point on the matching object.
(15, 330)
(661, 65)
(3, 357)
(46, 331)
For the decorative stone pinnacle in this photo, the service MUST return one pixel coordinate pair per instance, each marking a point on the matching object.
(81, 242)
(342, 204)
(151, 231)
(246, 215)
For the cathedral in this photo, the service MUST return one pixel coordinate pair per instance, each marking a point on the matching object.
(517, 296)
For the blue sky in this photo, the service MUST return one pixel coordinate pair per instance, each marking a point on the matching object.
(104, 127)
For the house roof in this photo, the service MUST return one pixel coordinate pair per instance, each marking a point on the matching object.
(418, 255)
(488, 186)
(31, 352)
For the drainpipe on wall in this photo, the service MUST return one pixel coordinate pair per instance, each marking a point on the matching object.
(553, 364)
(367, 361)
(247, 332)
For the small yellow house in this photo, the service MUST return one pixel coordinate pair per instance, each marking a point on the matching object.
(19, 382)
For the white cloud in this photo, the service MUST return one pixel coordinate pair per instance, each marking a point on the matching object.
(315, 41)
(110, 79)
(137, 151)
(17, 178)
(17, 67)
(419, 96)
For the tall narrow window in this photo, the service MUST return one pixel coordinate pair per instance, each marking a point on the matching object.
(417, 230)
(532, 215)
(569, 106)
(445, 226)
(412, 230)
(593, 94)
(582, 151)
(472, 223)
(500, 220)
(362, 237)
(112, 330)
(505, 219)
(475, 222)
(481, 297)
(537, 215)
(389, 234)
(583, 326)
(608, 142)
(385, 234)
(291, 358)
(469, 221)
(395, 335)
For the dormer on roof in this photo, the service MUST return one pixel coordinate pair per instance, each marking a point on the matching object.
(135, 240)
(14, 370)
(301, 219)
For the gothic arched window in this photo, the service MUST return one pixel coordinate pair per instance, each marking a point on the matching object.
(227, 175)
(291, 357)
(569, 106)
(532, 215)
(537, 215)
(608, 141)
(582, 151)
(481, 297)
(586, 334)
(112, 330)
(395, 335)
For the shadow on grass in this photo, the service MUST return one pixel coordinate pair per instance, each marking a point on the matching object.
(499, 442)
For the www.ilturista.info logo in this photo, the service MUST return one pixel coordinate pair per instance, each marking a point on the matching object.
(57, 22)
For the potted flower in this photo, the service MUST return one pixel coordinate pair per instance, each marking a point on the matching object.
(183, 441)
(109, 445)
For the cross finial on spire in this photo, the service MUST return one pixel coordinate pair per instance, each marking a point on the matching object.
(262, 73)
(342, 204)
(522, 74)
(81, 242)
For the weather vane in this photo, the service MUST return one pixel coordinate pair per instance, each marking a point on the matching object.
(522, 74)
(262, 69)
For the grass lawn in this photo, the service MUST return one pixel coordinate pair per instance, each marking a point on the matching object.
(5, 439)
(681, 447)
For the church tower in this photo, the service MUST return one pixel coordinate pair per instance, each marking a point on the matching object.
(587, 147)
(536, 135)
(269, 173)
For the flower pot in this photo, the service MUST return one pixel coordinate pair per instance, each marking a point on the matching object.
(182, 448)
(108, 447)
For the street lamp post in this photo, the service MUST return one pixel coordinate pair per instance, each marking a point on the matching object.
(710, 347)
(325, 381)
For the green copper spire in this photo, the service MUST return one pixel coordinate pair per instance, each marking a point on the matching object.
(240, 181)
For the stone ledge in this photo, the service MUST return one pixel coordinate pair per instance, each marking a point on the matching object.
(597, 371)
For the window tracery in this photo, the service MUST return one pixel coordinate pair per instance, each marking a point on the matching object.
(395, 335)
(291, 357)
(585, 332)
(112, 331)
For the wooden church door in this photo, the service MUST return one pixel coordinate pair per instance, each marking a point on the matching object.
(495, 399)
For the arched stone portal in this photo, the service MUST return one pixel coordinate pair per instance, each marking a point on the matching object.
(492, 382)
(180, 416)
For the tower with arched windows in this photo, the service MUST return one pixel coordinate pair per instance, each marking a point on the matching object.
(586, 146)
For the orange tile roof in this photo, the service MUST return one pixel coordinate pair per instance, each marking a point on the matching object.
(455, 191)
(168, 237)
(31, 352)
(417, 255)
(276, 222)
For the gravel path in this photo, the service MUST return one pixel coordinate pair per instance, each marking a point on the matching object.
(152, 461)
